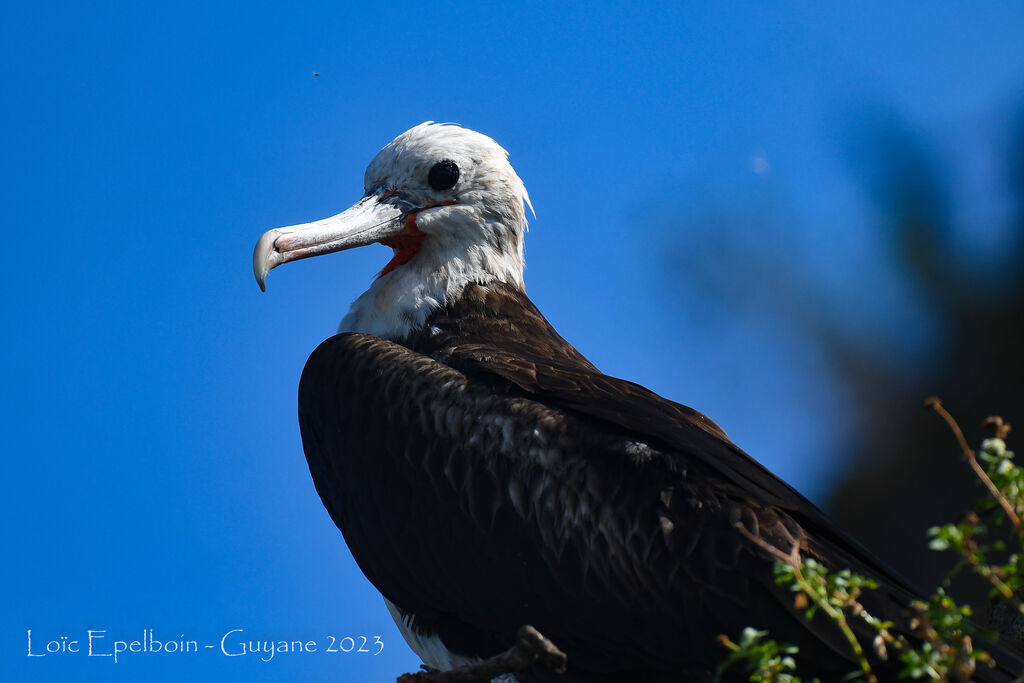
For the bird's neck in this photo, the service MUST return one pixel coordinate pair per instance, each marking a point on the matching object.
(399, 302)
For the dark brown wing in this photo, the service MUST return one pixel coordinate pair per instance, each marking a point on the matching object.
(495, 335)
(676, 431)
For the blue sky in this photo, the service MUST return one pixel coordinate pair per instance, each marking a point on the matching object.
(154, 474)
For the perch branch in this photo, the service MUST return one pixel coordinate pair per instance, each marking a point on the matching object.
(531, 646)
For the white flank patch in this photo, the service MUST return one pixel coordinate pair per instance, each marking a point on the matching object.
(430, 649)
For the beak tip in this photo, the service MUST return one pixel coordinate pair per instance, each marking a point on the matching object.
(263, 258)
(260, 271)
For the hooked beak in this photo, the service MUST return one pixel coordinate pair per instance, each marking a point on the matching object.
(369, 220)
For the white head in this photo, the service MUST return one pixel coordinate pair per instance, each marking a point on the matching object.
(448, 203)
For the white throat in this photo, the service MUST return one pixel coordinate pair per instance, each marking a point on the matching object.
(400, 302)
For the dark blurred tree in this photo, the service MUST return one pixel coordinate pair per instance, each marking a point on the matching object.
(907, 476)
(904, 474)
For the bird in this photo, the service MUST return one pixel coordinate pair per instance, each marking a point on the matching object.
(485, 475)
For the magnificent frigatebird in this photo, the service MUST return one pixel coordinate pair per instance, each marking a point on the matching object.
(485, 475)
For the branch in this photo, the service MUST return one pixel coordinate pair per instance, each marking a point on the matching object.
(819, 597)
(972, 459)
(531, 646)
(835, 613)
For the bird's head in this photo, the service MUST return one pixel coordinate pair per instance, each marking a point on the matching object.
(450, 206)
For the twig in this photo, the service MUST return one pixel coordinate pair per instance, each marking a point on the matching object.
(972, 459)
(995, 424)
(836, 614)
(768, 547)
(531, 646)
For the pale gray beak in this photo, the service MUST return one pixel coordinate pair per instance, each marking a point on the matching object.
(369, 220)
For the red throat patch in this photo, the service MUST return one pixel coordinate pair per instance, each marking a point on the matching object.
(405, 245)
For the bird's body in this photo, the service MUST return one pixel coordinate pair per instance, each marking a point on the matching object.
(485, 475)
(521, 485)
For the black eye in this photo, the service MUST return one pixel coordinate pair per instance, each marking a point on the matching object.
(443, 175)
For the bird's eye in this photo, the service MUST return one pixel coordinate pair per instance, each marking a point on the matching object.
(443, 175)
